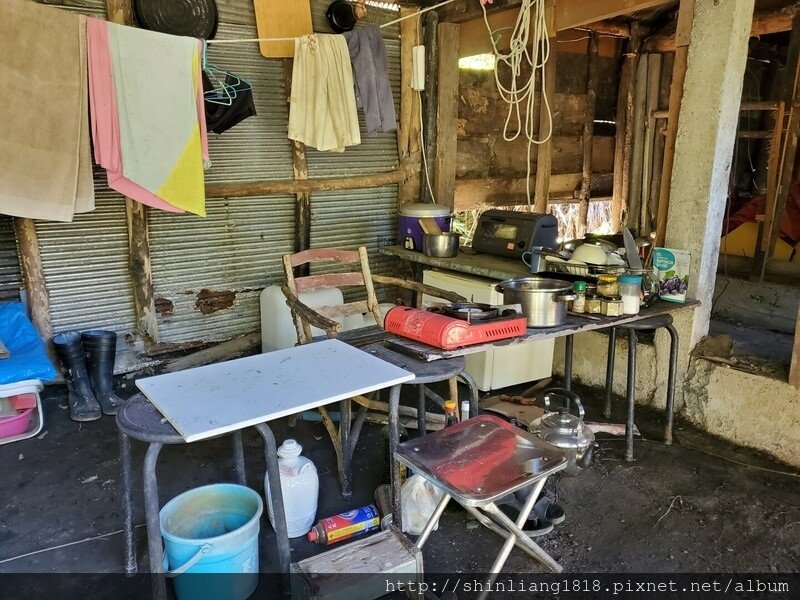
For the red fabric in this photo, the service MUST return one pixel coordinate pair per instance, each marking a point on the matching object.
(790, 223)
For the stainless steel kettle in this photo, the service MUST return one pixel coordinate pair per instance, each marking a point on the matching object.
(566, 431)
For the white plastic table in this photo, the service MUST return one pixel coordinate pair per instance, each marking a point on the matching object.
(209, 401)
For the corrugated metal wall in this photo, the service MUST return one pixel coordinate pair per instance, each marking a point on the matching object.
(10, 276)
(207, 273)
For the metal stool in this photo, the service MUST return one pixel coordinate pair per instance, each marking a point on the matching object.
(140, 420)
(477, 462)
(651, 324)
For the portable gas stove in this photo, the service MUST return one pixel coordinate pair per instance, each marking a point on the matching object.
(456, 325)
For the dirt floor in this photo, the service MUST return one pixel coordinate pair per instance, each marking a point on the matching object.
(686, 508)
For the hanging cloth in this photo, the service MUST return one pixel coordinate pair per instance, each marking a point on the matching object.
(160, 114)
(45, 163)
(322, 109)
(373, 92)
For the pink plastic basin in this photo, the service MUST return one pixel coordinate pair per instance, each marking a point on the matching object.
(11, 426)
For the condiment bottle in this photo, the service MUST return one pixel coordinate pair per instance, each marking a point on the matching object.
(579, 304)
(465, 410)
(630, 288)
(451, 418)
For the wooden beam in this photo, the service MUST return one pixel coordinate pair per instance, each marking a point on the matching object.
(430, 98)
(139, 262)
(475, 193)
(447, 114)
(567, 14)
(409, 126)
(624, 139)
(765, 22)
(649, 207)
(302, 207)
(30, 259)
(544, 152)
(633, 217)
(685, 18)
(243, 189)
(588, 132)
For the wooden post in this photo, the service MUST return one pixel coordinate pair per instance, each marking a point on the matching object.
(588, 134)
(651, 105)
(33, 276)
(682, 35)
(447, 114)
(791, 97)
(624, 136)
(544, 152)
(139, 263)
(637, 156)
(430, 97)
(409, 126)
(302, 207)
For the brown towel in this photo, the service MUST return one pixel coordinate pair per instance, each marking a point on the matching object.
(45, 165)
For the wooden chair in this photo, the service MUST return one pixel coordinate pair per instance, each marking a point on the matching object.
(345, 438)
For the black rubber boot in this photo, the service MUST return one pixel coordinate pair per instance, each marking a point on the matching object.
(101, 348)
(83, 405)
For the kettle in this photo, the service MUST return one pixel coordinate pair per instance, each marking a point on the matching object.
(566, 431)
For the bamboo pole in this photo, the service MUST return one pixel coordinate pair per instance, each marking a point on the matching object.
(588, 133)
(544, 152)
(653, 84)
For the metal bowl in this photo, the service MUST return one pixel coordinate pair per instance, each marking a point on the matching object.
(440, 245)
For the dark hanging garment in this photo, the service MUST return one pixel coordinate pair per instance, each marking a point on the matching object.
(221, 117)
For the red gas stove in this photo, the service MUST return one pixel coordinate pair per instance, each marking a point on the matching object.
(455, 325)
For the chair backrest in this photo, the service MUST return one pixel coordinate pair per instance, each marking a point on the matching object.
(360, 278)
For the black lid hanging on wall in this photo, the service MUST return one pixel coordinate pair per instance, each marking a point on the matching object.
(341, 16)
(193, 18)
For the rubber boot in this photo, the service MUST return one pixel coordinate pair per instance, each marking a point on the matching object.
(83, 405)
(101, 348)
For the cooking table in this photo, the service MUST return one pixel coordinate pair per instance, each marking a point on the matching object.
(209, 401)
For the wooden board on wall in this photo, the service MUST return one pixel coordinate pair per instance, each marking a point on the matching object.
(282, 18)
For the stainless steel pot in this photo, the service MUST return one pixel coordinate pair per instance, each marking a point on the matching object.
(543, 300)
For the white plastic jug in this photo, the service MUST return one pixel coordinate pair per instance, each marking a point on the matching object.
(300, 487)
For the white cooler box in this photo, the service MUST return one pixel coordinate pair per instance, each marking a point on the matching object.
(501, 367)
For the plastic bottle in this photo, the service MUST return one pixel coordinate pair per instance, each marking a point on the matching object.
(451, 418)
(579, 304)
(630, 287)
(345, 526)
(465, 410)
(300, 488)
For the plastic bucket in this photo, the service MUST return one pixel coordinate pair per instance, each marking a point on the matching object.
(213, 530)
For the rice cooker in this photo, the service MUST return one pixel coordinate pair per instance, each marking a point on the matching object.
(410, 232)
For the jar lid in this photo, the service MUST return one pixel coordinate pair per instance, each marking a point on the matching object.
(613, 298)
(289, 449)
(580, 286)
(606, 277)
(637, 279)
(424, 210)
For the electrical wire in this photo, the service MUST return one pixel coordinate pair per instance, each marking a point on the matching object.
(530, 29)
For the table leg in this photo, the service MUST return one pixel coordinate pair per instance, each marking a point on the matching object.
(128, 530)
(568, 342)
(612, 350)
(421, 427)
(238, 458)
(630, 389)
(394, 440)
(473, 393)
(151, 510)
(673, 368)
(278, 511)
(489, 524)
(344, 439)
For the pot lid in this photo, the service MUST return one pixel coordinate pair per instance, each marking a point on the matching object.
(424, 210)
(536, 284)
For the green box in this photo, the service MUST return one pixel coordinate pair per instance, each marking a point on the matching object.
(671, 268)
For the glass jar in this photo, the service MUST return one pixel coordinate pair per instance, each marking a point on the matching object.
(630, 288)
(594, 305)
(579, 304)
(607, 285)
(612, 306)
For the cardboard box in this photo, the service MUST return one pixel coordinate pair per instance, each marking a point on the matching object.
(671, 269)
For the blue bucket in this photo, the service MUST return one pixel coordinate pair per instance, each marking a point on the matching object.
(213, 530)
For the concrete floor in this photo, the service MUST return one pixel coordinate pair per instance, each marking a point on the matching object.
(675, 509)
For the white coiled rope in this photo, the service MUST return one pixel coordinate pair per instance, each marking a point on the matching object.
(530, 29)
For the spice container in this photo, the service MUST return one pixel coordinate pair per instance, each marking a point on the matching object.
(594, 305)
(630, 288)
(607, 285)
(579, 304)
(612, 306)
